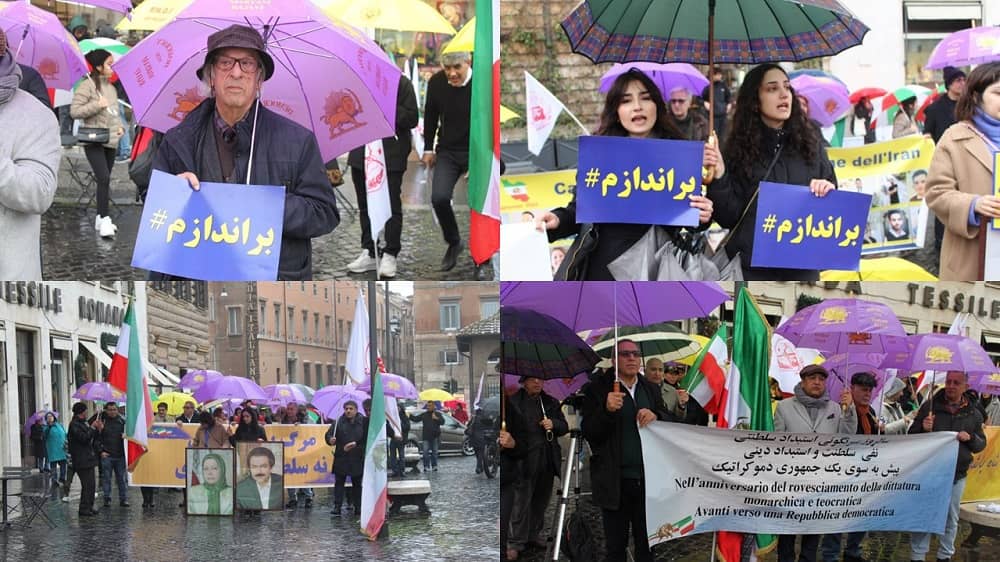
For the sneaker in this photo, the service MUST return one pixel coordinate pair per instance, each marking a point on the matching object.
(363, 263)
(97, 222)
(388, 266)
(108, 228)
(65, 499)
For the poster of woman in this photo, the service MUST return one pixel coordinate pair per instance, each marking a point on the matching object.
(210, 481)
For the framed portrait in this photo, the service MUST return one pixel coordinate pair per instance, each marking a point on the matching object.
(209, 481)
(260, 482)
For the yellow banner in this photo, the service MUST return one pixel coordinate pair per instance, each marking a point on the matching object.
(882, 158)
(308, 459)
(983, 481)
(529, 192)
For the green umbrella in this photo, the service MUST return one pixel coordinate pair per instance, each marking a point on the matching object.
(110, 45)
(659, 341)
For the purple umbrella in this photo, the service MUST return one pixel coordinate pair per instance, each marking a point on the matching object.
(193, 380)
(559, 389)
(392, 385)
(843, 365)
(845, 326)
(39, 415)
(667, 76)
(38, 39)
(123, 6)
(976, 45)
(537, 345)
(328, 77)
(330, 400)
(99, 392)
(986, 383)
(828, 99)
(599, 304)
(282, 394)
(230, 387)
(941, 352)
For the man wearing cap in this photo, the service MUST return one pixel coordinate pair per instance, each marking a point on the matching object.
(675, 398)
(950, 410)
(940, 115)
(213, 143)
(29, 168)
(448, 104)
(810, 410)
(541, 416)
(862, 385)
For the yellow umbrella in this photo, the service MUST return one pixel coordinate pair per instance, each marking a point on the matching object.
(174, 401)
(689, 360)
(436, 394)
(506, 114)
(397, 15)
(881, 269)
(152, 15)
(465, 41)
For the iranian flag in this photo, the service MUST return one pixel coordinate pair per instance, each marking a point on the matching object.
(484, 135)
(746, 398)
(374, 483)
(707, 375)
(126, 374)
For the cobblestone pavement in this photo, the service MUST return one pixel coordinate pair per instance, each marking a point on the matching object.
(72, 250)
(462, 526)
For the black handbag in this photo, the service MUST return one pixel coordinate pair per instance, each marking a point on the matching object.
(93, 135)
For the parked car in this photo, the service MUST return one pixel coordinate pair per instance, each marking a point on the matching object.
(453, 438)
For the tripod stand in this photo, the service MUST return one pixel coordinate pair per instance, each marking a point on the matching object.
(574, 465)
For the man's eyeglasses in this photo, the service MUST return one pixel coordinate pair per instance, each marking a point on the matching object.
(677, 101)
(629, 353)
(248, 65)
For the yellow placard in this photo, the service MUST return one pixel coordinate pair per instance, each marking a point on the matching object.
(996, 184)
(883, 158)
(983, 481)
(528, 192)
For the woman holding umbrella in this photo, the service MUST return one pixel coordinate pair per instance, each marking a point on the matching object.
(634, 107)
(55, 448)
(771, 140)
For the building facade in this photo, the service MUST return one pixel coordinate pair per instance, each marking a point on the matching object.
(178, 331)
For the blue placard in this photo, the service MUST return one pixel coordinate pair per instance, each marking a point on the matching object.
(639, 181)
(797, 230)
(223, 232)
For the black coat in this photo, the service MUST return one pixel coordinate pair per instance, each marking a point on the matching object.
(32, 82)
(967, 419)
(431, 428)
(349, 462)
(81, 444)
(535, 441)
(939, 116)
(286, 154)
(731, 193)
(250, 432)
(397, 148)
(603, 430)
(112, 437)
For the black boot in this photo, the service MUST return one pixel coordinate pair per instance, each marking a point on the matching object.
(451, 256)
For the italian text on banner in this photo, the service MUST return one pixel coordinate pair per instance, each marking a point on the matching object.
(638, 181)
(983, 480)
(798, 230)
(222, 232)
(793, 483)
(535, 193)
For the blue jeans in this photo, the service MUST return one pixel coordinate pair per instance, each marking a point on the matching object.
(117, 465)
(125, 143)
(431, 453)
(920, 543)
(397, 456)
(831, 546)
(60, 474)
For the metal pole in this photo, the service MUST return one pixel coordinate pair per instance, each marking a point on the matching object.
(564, 495)
(284, 296)
(388, 336)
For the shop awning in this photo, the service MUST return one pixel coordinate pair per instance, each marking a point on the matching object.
(97, 352)
(991, 339)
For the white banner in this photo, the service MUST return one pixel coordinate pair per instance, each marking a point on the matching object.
(358, 352)
(793, 483)
(543, 110)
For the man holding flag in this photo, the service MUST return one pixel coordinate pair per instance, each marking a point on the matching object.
(375, 480)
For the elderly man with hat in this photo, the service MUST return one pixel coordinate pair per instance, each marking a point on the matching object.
(29, 168)
(812, 411)
(543, 422)
(213, 143)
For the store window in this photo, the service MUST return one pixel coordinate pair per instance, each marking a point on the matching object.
(924, 25)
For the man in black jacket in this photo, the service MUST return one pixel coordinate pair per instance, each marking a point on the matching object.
(512, 450)
(611, 421)
(112, 443)
(543, 420)
(950, 410)
(32, 82)
(349, 435)
(449, 100)
(430, 434)
(937, 118)
(397, 444)
(81, 450)
(397, 149)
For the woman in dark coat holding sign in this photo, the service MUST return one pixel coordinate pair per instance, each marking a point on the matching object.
(768, 127)
(634, 108)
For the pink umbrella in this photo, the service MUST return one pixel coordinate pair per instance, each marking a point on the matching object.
(282, 394)
(230, 387)
(330, 400)
(828, 99)
(976, 45)
(393, 385)
(38, 39)
(667, 76)
(328, 77)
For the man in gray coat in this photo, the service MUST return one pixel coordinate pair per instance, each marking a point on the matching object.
(812, 411)
(29, 165)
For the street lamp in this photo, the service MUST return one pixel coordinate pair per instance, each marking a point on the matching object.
(391, 344)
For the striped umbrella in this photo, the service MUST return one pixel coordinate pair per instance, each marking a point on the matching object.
(891, 103)
(110, 45)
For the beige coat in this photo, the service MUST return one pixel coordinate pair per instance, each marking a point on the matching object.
(903, 125)
(86, 107)
(960, 170)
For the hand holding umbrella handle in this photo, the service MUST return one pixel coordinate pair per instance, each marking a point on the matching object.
(708, 172)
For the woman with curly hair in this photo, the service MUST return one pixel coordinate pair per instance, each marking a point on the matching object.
(634, 107)
(772, 140)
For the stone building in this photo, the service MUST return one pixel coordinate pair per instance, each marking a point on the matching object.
(178, 331)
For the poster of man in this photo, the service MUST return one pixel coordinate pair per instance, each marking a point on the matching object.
(260, 476)
(209, 481)
(896, 226)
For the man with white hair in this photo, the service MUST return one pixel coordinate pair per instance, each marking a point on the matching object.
(691, 124)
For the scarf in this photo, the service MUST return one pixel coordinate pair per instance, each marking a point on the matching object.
(10, 78)
(987, 125)
(866, 423)
(813, 405)
(215, 490)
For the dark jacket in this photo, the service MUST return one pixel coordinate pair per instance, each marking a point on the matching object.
(447, 112)
(37, 437)
(112, 437)
(251, 432)
(967, 419)
(510, 459)
(286, 154)
(723, 96)
(349, 462)
(535, 441)
(397, 148)
(32, 82)
(694, 127)
(603, 430)
(939, 116)
(730, 195)
(81, 444)
(431, 428)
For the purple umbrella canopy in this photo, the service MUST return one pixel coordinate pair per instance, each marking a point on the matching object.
(330, 400)
(38, 39)
(559, 389)
(986, 383)
(283, 394)
(230, 387)
(195, 379)
(328, 77)
(39, 415)
(845, 326)
(976, 45)
(829, 100)
(99, 392)
(667, 76)
(843, 366)
(940, 352)
(123, 6)
(392, 385)
(600, 304)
